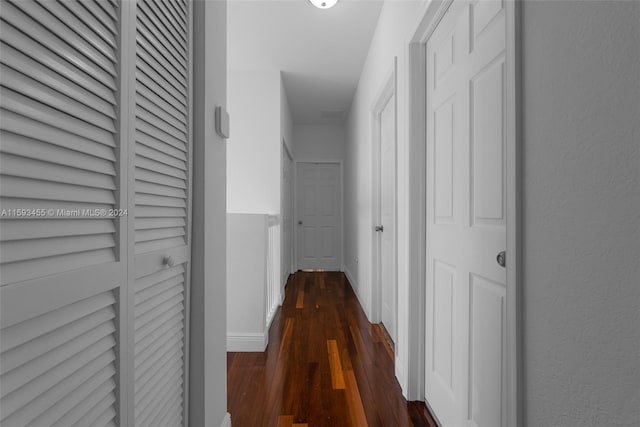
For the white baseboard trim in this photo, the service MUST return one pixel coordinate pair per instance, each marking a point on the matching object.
(226, 422)
(356, 288)
(400, 376)
(242, 341)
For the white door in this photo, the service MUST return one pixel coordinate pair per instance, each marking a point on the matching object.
(63, 247)
(160, 178)
(465, 315)
(387, 215)
(319, 206)
(95, 163)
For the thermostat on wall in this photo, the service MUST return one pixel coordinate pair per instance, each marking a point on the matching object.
(222, 122)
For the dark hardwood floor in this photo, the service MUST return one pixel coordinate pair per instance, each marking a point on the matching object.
(325, 365)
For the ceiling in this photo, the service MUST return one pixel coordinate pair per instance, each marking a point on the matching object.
(320, 52)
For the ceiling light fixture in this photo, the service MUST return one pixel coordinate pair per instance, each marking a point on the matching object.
(323, 4)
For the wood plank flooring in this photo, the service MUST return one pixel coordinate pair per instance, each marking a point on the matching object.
(325, 365)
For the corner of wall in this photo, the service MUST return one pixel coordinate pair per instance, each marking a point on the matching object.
(356, 290)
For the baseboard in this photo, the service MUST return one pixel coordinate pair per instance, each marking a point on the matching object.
(356, 288)
(246, 342)
(226, 422)
(400, 376)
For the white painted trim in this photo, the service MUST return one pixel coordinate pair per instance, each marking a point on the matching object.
(387, 90)
(356, 287)
(247, 341)
(426, 25)
(226, 421)
(295, 265)
(417, 213)
(514, 214)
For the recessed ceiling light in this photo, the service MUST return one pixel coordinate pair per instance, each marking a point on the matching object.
(323, 4)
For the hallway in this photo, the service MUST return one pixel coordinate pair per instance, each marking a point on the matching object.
(325, 365)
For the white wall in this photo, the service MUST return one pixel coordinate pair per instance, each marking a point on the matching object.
(286, 119)
(207, 355)
(286, 239)
(319, 142)
(395, 26)
(582, 213)
(246, 290)
(253, 151)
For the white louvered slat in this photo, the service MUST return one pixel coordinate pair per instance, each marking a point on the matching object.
(43, 170)
(58, 89)
(171, 332)
(36, 348)
(91, 34)
(148, 141)
(57, 64)
(159, 343)
(167, 362)
(168, 414)
(44, 190)
(41, 372)
(146, 74)
(149, 176)
(94, 394)
(108, 6)
(154, 28)
(57, 361)
(101, 366)
(42, 228)
(35, 70)
(176, 17)
(101, 415)
(71, 48)
(94, 54)
(21, 125)
(154, 118)
(34, 268)
(145, 124)
(83, 12)
(54, 99)
(159, 109)
(158, 95)
(162, 132)
(106, 19)
(175, 22)
(23, 146)
(147, 223)
(160, 190)
(157, 11)
(151, 57)
(57, 205)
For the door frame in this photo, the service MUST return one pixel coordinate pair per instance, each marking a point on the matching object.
(340, 163)
(287, 264)
(429, 20)
(387, 90)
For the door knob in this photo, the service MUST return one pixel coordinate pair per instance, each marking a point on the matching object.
(299, 222)
(379, 228)
(168, 261)
(502, 259)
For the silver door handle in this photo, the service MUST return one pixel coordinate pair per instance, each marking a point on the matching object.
(502, 259)
(299, 222)
(379, 228)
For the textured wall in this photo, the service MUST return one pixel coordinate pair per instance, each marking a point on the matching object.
(581, 213)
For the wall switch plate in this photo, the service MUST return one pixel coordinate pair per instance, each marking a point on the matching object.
(222, 122)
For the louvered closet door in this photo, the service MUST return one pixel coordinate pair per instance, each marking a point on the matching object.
(60, 250)
(162, 187)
